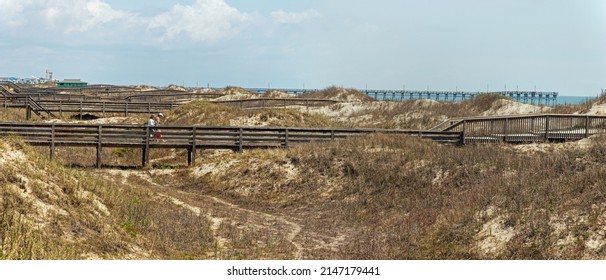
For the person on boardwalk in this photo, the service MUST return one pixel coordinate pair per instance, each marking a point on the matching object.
(151, 124)
(158, 120)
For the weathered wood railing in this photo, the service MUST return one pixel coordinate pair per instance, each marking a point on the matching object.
(15, 87)
(68, 103)
(528, 128)
(191, 138)
(173, 97)
(83, 106)
(104, 107)
(276, 102)
(138, 97)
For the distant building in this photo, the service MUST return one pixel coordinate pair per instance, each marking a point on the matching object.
(72, 83)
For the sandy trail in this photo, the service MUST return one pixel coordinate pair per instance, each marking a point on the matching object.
(219, 211)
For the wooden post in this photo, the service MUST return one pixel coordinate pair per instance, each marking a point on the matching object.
(126, 110)
(586, 126)
(189, 156)
(240, 148)
(60, 108)
(81, 109)
(103, 105)
(286, 139)
(193, 148)
(145, 152)
(506, 128)
(28, 111)
(546, 128)
(332, 135)
(52, 147)
(99, 145)
(463, 132)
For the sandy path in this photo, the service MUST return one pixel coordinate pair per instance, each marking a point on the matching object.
(218, 211)
(307, 242)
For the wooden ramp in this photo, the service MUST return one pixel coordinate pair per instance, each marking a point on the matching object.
(191, 138)
(526, 128)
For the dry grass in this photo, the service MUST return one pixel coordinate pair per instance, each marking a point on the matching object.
(374, 197)
(206, 113)
(339, 94)
(13, 115)
(401, 198)
(53, 212)
(412, 114)
(583, 107)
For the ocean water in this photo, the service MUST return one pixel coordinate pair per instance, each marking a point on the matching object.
(572, 100)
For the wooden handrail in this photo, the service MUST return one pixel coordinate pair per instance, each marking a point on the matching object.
(529, 128)
(191, 138)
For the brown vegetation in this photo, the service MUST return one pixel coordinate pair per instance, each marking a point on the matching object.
(373, 197)
(206, 113)
(401, 198)
(338, 94)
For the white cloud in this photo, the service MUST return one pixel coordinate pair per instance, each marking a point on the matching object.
(283, 17)
(76, 16)
(204, 21)
(66, 15)
(96, 21)
(12, 11)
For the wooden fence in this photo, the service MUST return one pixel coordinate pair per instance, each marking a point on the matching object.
(276, 102)
(69, 103)
(528, 128)
(191, 138)
(46, 108)
(104, 107)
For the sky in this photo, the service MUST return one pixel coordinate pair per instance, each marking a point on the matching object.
(470, 45)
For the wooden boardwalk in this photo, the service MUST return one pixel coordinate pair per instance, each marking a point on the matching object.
(276, 102)
(525, 128)
(142, 95)
(49, 106)
(501, 129)
(191, 138)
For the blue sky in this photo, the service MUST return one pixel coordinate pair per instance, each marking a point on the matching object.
(470, 45)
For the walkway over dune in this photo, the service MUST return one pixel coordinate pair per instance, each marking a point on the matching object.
(503, 129)
(525, 128)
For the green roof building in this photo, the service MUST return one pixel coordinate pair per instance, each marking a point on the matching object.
(72, 83)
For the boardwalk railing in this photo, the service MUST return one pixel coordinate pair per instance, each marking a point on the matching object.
(104, 107)
(68, 103)
(276, 102)
(191, 138)
(528, 128)
(32, 105)
(83, 106)
(15, 87)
